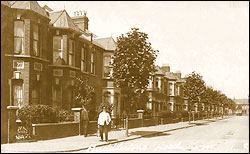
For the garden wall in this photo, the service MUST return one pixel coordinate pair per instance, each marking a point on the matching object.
(59, 130)
(134, 123)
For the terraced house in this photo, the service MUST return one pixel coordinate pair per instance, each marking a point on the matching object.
(42, 51)
(165, 91)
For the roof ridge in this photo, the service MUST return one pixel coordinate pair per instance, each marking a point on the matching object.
(55, 11)
(12, 3)
(103, 38)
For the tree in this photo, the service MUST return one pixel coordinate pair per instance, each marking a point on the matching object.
(207, 97)
(133, 62)
(84, 93)
(194, 89)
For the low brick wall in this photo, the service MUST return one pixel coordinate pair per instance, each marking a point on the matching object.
(150, 122)
(134, 123)
(166, 120)
(58, 130)
(92, 127)
(55, 130)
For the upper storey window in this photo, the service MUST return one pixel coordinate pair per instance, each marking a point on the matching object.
(71, 53)
(35, 40)
(171, 88)
(92, 63)
(18, 37)
(107, 66)
(57, 48)
(83, 59)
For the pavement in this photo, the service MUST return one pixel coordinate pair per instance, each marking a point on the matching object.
(77, 143)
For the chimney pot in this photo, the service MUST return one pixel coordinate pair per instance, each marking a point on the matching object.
(81, 20)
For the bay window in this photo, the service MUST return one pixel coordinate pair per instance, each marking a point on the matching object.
(18, 37)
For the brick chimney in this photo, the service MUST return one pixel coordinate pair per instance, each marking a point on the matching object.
(81, 20)
(165, 68)
(178, 74)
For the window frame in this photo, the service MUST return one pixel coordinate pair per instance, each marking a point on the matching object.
(57, 50)
(37, 98)
(92, 61)
(18, 95)
(71, 52)
(19, 37)
(83, 59)
(37, 53)
(107, 65)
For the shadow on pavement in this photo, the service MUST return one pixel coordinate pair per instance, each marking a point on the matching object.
(148, 134)
(199, 124)
(111, 140)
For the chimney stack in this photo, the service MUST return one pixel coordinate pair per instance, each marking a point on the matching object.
(81, 20)
(165, 68)
(178, 74)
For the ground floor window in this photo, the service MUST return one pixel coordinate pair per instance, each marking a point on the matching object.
(116, 104)
(18, 95)
(107, 98)
(35, 96)
(57, 95)
(71, 98)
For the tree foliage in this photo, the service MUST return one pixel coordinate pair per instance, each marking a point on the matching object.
(133, 62)
(194, 88)
(84, 91)
(197, 92)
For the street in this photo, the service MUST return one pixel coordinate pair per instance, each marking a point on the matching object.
(228, 135)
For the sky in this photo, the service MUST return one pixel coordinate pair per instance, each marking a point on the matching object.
(210, 38)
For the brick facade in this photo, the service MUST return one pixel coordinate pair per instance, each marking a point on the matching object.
(42, 81)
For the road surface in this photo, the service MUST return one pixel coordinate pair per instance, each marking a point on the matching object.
(229, 135)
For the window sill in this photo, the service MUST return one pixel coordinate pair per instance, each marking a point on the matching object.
(85, 72)
(65, 66)
(26, 56)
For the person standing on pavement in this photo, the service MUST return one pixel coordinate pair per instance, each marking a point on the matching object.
(103, 122)
(85, 120)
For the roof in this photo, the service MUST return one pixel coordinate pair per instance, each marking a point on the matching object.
(107, 43)
(171, 76)
(181, 80)
(47, 8)
(61, 19)
(29, 5)
(158, 71)
(241, 101)
(6, 3)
